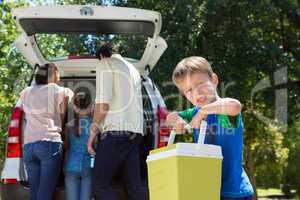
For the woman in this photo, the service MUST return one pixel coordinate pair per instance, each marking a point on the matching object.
(77, 168)
(45, 106)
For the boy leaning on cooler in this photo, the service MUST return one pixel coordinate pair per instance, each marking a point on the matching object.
(196, 80)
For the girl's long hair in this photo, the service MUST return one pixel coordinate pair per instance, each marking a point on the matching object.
(82, 101)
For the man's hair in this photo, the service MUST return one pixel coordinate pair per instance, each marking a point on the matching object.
(45, 73)
(105, 50)
(191, 65)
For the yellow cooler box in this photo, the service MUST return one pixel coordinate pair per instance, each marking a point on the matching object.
(185, 171)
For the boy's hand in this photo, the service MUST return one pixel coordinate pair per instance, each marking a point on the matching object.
(176, 122)
(179, 126)
(196, 121)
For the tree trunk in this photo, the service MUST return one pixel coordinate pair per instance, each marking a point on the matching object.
(250, 168)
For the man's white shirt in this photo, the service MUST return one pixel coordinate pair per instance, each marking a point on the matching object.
(118, 83)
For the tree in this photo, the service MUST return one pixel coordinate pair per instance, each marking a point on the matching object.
(14, 70)
(246, 42)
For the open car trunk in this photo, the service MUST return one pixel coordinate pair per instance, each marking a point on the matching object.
(84, 20)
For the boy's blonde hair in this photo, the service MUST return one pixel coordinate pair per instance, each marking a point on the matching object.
(189, 66)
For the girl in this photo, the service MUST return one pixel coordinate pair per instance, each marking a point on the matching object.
(78, 161)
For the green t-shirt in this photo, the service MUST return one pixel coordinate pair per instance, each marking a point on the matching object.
(224, 120)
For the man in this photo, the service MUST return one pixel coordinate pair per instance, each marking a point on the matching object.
(119, 117)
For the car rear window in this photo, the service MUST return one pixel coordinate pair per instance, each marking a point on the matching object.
(63, 46)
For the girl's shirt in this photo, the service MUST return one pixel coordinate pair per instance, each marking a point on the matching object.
(77, 155)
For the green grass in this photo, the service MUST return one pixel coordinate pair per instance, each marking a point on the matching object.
(264, 193)
(267, 192)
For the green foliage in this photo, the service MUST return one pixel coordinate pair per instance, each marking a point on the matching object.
(270, 157)
(14, 71)
(291, 171)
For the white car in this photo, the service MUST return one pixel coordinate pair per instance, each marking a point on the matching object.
(87, 26)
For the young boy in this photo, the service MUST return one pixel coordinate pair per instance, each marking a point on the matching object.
(194, 77)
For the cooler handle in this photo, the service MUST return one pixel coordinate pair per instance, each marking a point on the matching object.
(201, 131)
(171, 137)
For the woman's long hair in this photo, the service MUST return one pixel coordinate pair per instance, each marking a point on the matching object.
(45, 73)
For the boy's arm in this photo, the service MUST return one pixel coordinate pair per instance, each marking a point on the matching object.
(225, 106)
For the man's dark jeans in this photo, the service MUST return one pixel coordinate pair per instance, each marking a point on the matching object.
(118, 151)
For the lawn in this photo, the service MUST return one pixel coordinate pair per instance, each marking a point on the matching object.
(273, 193)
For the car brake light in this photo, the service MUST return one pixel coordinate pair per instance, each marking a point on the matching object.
(164, 131)
(9, 181)
(14, 149)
